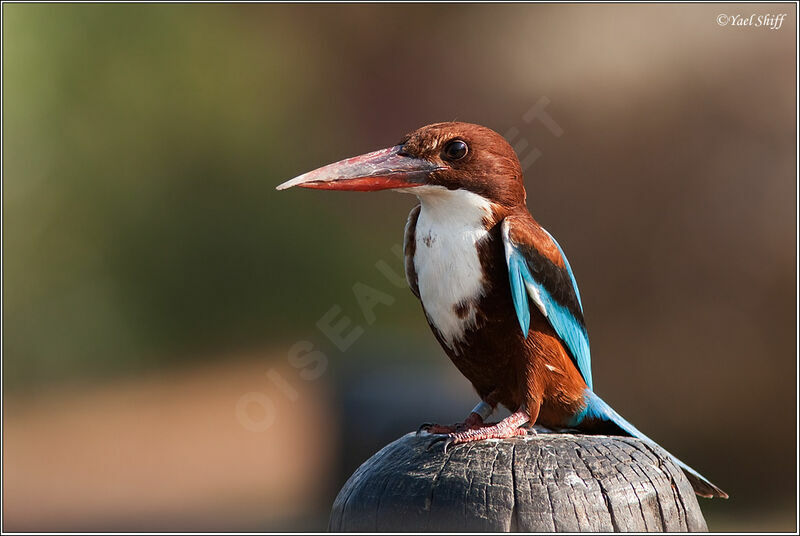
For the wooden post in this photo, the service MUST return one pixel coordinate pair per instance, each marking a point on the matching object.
(546, 482)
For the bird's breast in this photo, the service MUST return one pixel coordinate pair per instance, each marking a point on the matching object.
(450, 276)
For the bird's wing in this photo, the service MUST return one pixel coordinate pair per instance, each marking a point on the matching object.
(409, 248)
(539, 272)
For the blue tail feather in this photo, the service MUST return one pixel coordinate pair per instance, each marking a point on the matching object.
(596, 410)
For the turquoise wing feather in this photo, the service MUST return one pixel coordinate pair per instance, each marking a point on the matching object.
(535, 286)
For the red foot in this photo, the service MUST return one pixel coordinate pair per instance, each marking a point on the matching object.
(472, 421)
(508, 427)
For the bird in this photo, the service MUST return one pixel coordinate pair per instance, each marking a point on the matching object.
(496, 288)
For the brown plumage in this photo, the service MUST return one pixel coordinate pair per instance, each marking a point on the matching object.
(501, 363)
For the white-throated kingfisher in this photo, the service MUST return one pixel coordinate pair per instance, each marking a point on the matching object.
(496, 288)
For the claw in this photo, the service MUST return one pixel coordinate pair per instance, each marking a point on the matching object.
(447, 443)
(436, 439)
(423, 426)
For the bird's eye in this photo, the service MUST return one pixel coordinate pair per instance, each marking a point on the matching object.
(455, 150)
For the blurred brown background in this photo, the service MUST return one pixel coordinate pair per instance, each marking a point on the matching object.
(156, 285)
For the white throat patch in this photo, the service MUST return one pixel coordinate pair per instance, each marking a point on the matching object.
(449, 272)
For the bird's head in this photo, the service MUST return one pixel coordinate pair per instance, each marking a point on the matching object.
(431, 160)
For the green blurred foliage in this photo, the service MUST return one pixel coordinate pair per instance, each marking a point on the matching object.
(142, 147)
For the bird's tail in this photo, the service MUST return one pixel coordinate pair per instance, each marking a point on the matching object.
(606, 420)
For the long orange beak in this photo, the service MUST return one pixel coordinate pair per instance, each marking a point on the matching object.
(379, 170)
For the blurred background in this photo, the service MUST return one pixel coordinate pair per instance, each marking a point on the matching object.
(164, 363)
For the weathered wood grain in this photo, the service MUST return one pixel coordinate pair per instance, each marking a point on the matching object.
(545, 482)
